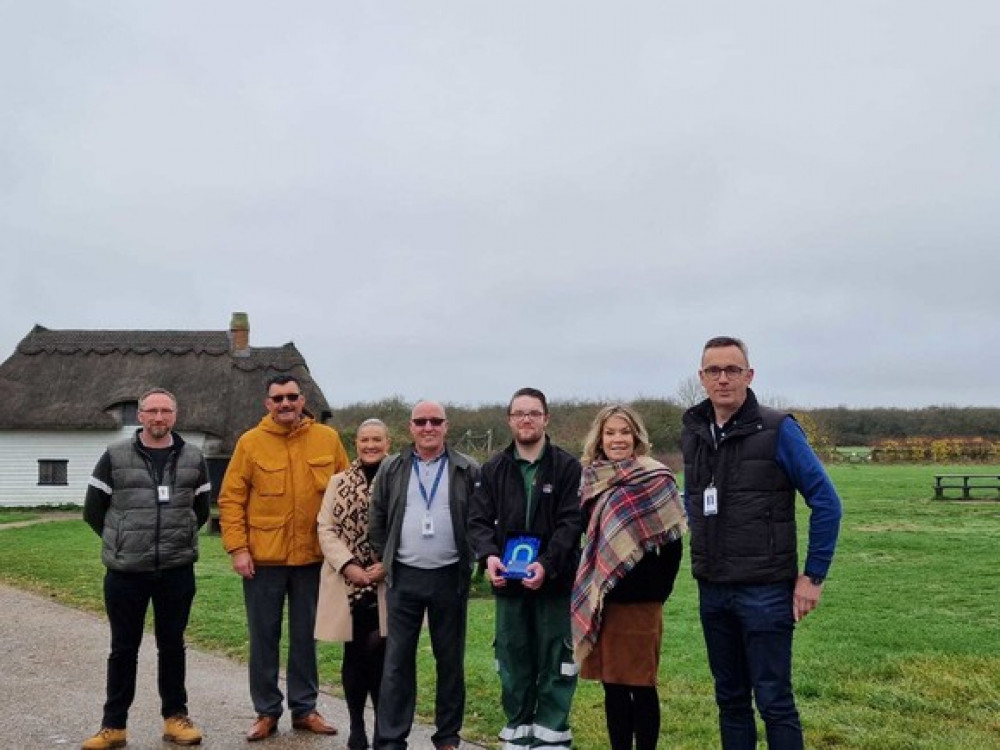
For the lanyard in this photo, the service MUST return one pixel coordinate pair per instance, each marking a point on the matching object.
(429, 500)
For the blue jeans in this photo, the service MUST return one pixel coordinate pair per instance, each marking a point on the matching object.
(748, 633)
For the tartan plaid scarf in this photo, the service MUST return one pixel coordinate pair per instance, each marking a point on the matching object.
(633, 507)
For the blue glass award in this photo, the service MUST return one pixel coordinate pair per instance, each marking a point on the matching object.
(520, 551)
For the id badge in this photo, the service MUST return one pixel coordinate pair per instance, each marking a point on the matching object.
(163, 493)
(711, 497)
(427, 526)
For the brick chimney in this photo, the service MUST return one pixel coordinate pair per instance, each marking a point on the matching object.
(239, 334)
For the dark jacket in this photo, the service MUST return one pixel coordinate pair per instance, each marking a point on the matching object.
(752, 538)
(499, 509)
(388, 505)
(652, 578)
(139, 531)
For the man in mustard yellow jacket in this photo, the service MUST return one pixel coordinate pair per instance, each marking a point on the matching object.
(268, 504)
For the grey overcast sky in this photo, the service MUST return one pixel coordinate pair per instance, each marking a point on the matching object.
(455, 199)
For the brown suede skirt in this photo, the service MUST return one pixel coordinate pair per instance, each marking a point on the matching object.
(627, 651)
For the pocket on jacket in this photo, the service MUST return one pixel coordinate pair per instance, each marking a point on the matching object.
(269, 479)
(268, 539)
(321, 468)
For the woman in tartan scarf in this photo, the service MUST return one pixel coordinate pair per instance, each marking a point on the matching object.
(634, 520)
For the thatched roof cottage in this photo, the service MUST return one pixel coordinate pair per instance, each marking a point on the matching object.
(64, 395)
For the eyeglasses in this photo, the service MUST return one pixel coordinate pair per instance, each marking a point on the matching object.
(424, 421)
(732, 371)
(534, 416)
(156, 412)
(291, 397)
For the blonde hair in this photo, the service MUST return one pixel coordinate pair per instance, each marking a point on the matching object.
(592, 448)
(374, 422)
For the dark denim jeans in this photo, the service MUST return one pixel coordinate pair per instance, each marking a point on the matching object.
(126, 599)
(748, 633)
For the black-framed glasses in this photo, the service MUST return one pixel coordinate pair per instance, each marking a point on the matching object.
(534, 416)
(424, 421)
(290, 397)
(714, 372)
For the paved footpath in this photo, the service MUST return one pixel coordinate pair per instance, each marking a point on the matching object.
(52, 670)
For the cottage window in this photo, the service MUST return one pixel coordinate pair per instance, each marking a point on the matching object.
(53, 471)
(130, 413)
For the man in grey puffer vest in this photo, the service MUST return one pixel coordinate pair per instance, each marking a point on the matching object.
(147, 498)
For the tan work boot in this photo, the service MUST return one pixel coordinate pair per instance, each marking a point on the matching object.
(105, 739)
(181, 730)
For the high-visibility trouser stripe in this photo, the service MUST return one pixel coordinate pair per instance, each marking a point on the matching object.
(550, 735)
(569, 669)
(516, 733)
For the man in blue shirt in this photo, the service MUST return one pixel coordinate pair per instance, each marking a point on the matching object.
(743, 464)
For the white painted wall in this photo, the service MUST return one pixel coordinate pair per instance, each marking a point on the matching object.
(20, 451)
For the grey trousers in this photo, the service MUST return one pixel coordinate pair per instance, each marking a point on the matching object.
(264, 596)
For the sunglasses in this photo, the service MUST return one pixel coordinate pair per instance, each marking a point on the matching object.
(292, 397)
(424, 421)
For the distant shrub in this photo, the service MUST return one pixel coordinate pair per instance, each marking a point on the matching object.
(936, 450)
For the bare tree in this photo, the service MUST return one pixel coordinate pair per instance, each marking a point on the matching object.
(775, 401)
(690, 392)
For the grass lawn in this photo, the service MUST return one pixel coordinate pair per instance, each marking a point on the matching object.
(14, 516)
(903, 652)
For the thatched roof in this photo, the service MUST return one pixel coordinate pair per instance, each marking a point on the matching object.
(76, 379)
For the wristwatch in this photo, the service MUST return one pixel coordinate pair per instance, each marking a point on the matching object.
(816, 580)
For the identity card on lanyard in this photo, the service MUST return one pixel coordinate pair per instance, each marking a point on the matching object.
(427, 525)
(711, 497)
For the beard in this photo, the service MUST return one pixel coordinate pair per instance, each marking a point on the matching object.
(158, 431)
(533, 438)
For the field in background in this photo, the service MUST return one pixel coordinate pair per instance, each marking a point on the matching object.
(16, 516)
(904, 651)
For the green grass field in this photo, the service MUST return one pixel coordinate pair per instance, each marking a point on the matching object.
(16, 516)
(903, 652)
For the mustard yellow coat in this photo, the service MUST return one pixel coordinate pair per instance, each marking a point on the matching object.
(273, 489)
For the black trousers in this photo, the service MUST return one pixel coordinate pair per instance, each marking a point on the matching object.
(442, 594)
(361, 671)
(126, 599)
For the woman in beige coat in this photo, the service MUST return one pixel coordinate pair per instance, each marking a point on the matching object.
(351, 605)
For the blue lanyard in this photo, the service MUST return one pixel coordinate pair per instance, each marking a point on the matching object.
(428, 501)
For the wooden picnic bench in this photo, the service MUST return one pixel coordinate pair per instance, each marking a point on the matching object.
(966, 483)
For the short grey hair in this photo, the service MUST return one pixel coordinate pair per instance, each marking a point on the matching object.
(719, 342)
(154, 392)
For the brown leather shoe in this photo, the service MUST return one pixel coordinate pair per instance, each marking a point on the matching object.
(263, 727)
(313, 722)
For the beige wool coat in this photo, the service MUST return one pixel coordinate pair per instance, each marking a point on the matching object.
(338, 540)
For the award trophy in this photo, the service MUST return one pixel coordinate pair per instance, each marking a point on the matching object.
(520, 551)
